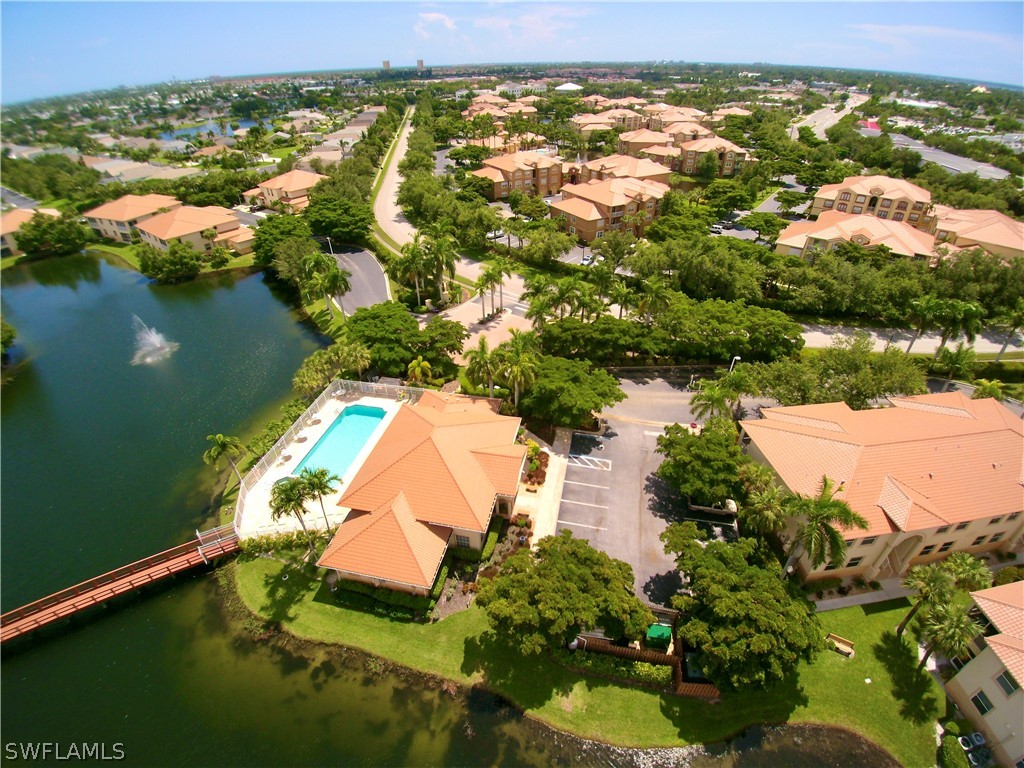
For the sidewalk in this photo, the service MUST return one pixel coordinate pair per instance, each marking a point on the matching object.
(892, 589)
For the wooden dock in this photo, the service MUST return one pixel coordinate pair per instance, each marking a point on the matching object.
(207, 546)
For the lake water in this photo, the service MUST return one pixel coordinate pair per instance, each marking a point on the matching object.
(210, 125)
(102, 465)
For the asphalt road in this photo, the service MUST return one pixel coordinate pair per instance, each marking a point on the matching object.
(950, 162)
(369, 283)
(826, 117)
(18, 200)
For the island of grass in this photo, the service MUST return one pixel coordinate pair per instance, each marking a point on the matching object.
(877, 694)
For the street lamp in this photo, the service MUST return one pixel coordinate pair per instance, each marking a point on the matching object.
(733, 363)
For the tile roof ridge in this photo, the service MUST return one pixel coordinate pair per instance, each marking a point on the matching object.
(413, 445)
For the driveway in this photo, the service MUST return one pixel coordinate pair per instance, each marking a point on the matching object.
(369, 283)
(385, 208)
(18, 200)
(950, 162)
(770, 205)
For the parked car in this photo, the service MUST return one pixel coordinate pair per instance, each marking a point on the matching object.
(716, 229)
(587, 260)
(495, 235)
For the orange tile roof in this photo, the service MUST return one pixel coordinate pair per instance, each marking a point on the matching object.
(680, 115)
(862, 228)
(875, 186)
(1010, 651)
(982, 227)
(522, 161)
(450, 455)
(388, 544)
(930, 460)
(659, 151)
(614, 192)
(130, 207)
(1004, 606)
(293, 181)
(625, 166)
(643, 134)
(712, 144)
(492, 174)
(186, 220)
(12, 221)
(575, 206)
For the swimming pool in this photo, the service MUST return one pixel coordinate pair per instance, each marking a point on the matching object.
(343, 440)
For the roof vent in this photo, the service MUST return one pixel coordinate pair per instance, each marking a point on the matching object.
(931, 475)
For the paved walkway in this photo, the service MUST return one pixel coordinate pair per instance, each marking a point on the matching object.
(821, 336)
(385, 208)
(542, 506)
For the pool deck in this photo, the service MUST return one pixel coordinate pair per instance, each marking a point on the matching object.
(257, 521)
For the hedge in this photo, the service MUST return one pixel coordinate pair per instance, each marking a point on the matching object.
(469, 555)
(387, 596)
(1009, 575)
(951, 754)
(613, 666)
(260, 545)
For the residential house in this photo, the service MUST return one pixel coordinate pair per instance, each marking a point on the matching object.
(13, 220)
(626, 119)
(986, 686)
(802, 238)
(661, 120)
(518, 108)
(932, 475)
(528, 172)
(685, 131)
(190, 224)
(616, 167)
(596, 207)
(587, 123)
(720, 114)
(731, 159)
(594, 101)
(632, 142)
(289, 189)
(994, 231)
(881, 196)
(443, 467)
(117, 219)
(497, 113)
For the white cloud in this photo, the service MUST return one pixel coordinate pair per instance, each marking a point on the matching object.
(543, 24)
(428, 20)
(905, 36)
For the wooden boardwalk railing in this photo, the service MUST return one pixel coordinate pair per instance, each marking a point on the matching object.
(207, 546)
(680, 686)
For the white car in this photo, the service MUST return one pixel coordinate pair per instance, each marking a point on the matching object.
(716, 229)
(587, 260)
(495, 235)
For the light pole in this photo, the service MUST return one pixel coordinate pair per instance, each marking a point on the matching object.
(733, 363)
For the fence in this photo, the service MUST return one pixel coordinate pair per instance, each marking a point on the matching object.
(337, 388)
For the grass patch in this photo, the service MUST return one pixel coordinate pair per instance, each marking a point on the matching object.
(332, 326)
(282, 152)
(895, 711)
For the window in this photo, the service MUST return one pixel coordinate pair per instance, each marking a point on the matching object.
(962, 526)
(943, 529)
(945, 547)
(901, 205)
(869, 541)
(830, 567)
(462, 541)
(848, 542)
(841, 207)
(858, 209)
(978, 541)
(861, 198)
(995, 520)
(995, 537)
(844, 196)
(886, 203)
(914, 217)
(918, 206)
(927, 550)
(1007, 683)
(981, 702)
(572, 219)
(572, 230)
(897, 217)
(854, 562)
(827, 204)
(1014, 516)
(600, 234)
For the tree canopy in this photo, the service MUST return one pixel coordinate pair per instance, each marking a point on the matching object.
(44, 235)
(567, 392)
(274, 230)
(546, 598)
(703, 467)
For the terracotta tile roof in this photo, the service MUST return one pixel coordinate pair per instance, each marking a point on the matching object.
(12, 221)
(614, 192)
(625, 166)
(522, 161)
(929, 460)
(388, 544)
(643, 134)
(653, 109)
(588, 119)
(1004, 607)
(186, 220)
(981, 227)
(712, 144)
(720, 113)
(1010, 651)
(680, 115)
(489, 173)
(293, 181)
(448, 454)
(488, 98)
(660, 151)
(688, 128)
(862, 228)
(575, 206)
(516, 108)
(130, 207)
(875, 186)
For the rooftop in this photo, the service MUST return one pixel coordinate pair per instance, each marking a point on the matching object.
(1004, 607)
(186, 220)
(130, 207)
(983, 227)
(615, 192)
(293, 181)
(876, 186)
(13, 220)
(861, 228)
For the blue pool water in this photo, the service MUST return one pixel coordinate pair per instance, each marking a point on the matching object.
(343, 440)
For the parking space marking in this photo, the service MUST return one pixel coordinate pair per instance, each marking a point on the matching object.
(589, 463)
(584, 503)
(582, 525)
(589, 485)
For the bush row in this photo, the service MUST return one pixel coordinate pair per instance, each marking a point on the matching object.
(1009, 575)
(613, 666)
(271, 433)
(470, 555)
(951, 754)
(278, 542)
(366, 604)
(386, 596)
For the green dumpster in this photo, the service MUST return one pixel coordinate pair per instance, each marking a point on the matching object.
(659, 636)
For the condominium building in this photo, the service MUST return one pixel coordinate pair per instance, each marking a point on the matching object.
(881, 196)
(589, 210)
(731, 159)
(986, 687)
(203, 228)
(289, 189)
(625, 119)
(615, 167)
(685, 131)
(117, 219)
(632, 142)
(661, 120)
(994, 231)
(802, 238)
(528, 172)
(587, 123)
(932, 475)
(14, 220)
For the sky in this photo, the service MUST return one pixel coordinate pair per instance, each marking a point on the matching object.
(56, 48)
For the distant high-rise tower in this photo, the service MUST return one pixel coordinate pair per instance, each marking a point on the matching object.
(387, 65)
(419, 65)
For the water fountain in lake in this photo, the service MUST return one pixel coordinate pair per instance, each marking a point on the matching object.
(150, 345)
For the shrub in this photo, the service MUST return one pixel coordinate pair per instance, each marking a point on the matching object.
(1009, 575)
(860, 582)
(951, 729)
(492, 541)
(823, 585)
(613, 666)
(875, 585)
(386, 596)
(951, 755)
(442, 576)
(279, 542)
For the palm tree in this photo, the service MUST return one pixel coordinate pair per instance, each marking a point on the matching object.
(622, 295)
(357, 358)
(950, 629)
(480, 365)
(818, 534)
(958, 363)
(481, 292)
(654, 298)
(224, 447)
(336, 282)
(933, 584)
(419, 369)
(1010, 320)
(318, 483)
(602, 277)
(502, 268)
(988, 388)
(412, 264)
(968, 572)
(442, 259)
(209, 235)
(710, 400)
(567, 293)
(765, 510)
(517, 362)
(288, 497)
(955, 317)
(923, 313)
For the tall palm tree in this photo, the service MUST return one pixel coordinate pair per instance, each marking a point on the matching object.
(288, 497)
(757, 477)
(958, 362)
(412, 264)
(1011, 321)
(419, 369)
(481, 291)
(481, 364)
(949, 628)
(710, 400)
(567, 293)
(654, 298)
(517, 362)
(492, 276)
(318, 483)
(621, 295)
(968, 572)
(818, 534)
(933, 585)
(502, 268)
(357, 358)
(602, 277)
(224, 447)
(923, 312)
(765, 510)
(442, 259)
(949, 318)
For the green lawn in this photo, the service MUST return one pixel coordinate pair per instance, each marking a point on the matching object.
(282, 152)
(895, 711)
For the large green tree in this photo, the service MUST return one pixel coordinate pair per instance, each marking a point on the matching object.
(544, 599)
(180, 262)
(750, 628)
(274, 230)
(342, 219)
(568, 392)
(703, 467)
(44, 235)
